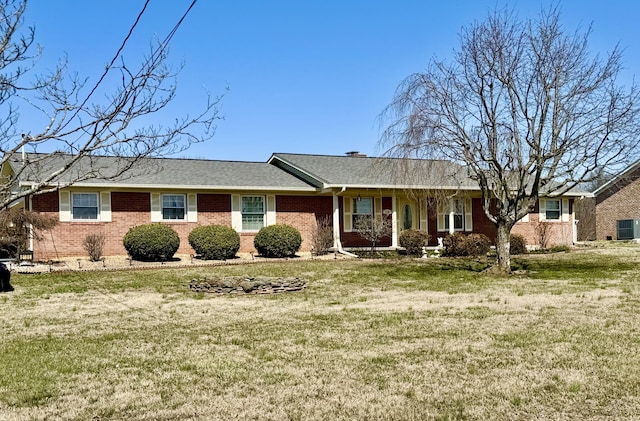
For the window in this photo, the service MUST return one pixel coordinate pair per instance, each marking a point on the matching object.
(252, 213)
(457, 207)
(407, 220)
(552, 209)
(362, 208)
(84, 206)
(173, 206)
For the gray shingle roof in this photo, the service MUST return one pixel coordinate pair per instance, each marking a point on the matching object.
(159, 172)
(338, 171)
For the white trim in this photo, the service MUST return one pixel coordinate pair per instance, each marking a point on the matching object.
(264, 211)
(104, 213)
(156, 207)
(192, 207)
(543, 209)
(394, 222)
(98, 206)
(64, 206)
(270, 211)
(186, 207)
(236, 213)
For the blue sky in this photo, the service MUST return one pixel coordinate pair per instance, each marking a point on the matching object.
(304, 76)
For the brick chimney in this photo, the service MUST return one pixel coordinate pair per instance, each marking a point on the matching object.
(355, 154)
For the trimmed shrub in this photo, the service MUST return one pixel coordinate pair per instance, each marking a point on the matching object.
(453, 245)
(278, 241)
(151, 242)
(477, 245)
(518, 244)
(215, 242)
(466, 245)
(413, 241)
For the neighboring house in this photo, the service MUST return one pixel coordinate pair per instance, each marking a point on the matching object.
(434, 196)
(617, 206)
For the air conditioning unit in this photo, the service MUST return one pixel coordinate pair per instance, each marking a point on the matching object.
(628, 229)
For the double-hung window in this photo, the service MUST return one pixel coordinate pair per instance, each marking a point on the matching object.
(457, 208)
(553, 209)
(253, 211)
(84, 206)
(362, 211)
(173, 206)
(455, 215)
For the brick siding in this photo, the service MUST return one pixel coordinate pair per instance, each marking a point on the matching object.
(621, 201)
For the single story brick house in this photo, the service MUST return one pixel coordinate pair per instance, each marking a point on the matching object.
(617, 206)
(296, 189)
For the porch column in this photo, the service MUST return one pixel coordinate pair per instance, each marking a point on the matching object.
(336, 223)
(394, 221)
(452, 228)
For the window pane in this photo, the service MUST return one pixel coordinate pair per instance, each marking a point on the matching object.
(252, 222)
(172, 201)
(363, 206)
(85, 199)
(84, 206)
(457, 222)
(552, 209)
(173, 213)
(173, 206)
(85, 213)
(252, 204)
(407, 219)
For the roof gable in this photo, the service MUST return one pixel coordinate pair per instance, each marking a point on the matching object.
(339, 171)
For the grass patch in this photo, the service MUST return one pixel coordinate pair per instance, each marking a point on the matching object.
(383, 339)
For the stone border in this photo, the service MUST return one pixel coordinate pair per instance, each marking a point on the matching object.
(247, 285)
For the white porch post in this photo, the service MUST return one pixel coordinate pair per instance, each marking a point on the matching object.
(452, 229)
(336, 223)
(394, 222)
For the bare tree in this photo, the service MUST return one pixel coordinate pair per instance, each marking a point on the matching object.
(525, 107)
(373, 229)
(76, 126)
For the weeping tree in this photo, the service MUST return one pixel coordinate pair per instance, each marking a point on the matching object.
(19, 226)
(525, 106)
(73, 122)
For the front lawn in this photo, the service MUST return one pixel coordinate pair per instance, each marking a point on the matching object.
(397, 339)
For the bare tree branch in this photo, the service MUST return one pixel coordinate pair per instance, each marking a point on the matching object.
(78, 125)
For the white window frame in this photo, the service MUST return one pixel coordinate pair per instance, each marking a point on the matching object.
(163, 207)
(547, 210)
(244, 213)
(457, 210)
(73, 206)
(354, 207)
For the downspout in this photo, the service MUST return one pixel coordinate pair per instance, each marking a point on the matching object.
(337, 244)
(30, 226)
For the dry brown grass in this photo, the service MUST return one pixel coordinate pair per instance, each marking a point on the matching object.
(399, 340)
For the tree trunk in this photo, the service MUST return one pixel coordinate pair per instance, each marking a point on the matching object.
(503, 244)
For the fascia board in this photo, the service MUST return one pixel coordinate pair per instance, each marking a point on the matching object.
(296, 169)
(182, 187)
(617, 178)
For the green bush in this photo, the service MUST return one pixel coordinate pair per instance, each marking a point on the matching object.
(151, 242)
(215, 242)
(466, 245)
(413, 241)
(278, 241)
(518, 244)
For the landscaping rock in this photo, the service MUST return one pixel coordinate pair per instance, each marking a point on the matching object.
(247, 285)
